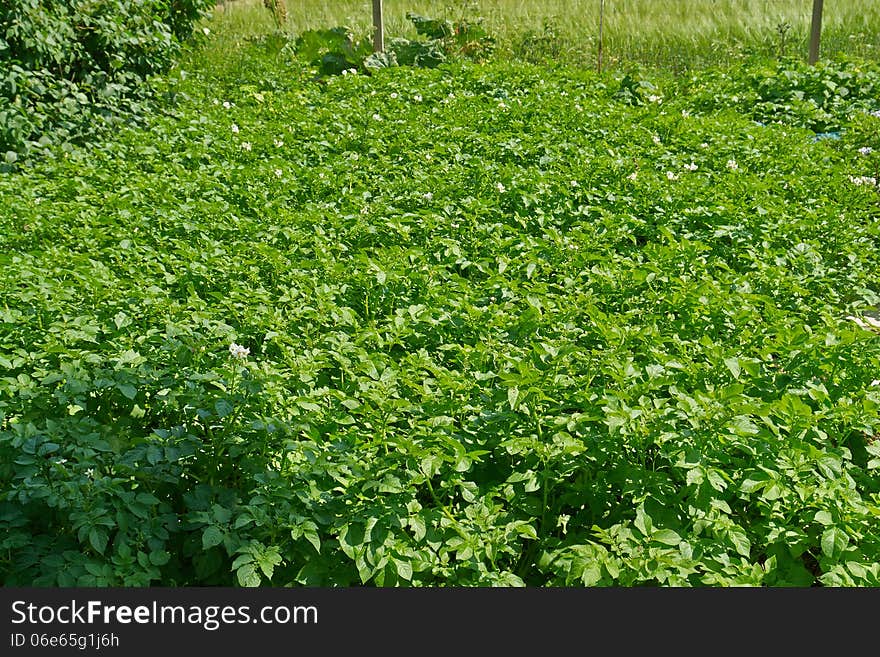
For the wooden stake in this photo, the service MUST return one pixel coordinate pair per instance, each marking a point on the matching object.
(815, 31)
(601, 30)
(378, 27)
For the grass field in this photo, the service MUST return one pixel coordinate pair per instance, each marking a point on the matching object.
(674, 34)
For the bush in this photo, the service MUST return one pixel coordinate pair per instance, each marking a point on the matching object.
(821, 98)
(336, 50)
(67, 66)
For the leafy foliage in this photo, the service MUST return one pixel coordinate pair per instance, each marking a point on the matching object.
(65, 65)
(337, 50)
(817, 97)
(505, 327)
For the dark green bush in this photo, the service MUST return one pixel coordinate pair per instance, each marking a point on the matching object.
(67, 66)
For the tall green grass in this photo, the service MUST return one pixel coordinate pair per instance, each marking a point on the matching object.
(667, 33)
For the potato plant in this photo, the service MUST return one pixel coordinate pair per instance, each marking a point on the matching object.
(474, 325)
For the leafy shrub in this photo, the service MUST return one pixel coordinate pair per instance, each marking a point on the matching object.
(467, 38)
(108, 501)
(820, 97)
(507, 326)
(336, 50)
(66, 64)
(633, 91)
(333, 50)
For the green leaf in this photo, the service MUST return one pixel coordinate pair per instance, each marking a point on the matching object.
(242, 521)
(716, 480)
(121, 320)
(418, 526)
(310, 532)
(154, 454)
(592, 574)
(221, 514)
(159, 557)
(754, 482)
(834, 542)
(733, 365)
(98, 539)
(772, 492)
(147, 498)
(247, 575)
(512, 397)
(127, 390)
(667, 537)
(527, 531)
(48, 448)
(740, 542)
(430, 465)
(643, 521)
(211, 537)
(377, 60)
(404, 569)
(242, 559)
(95, 569)
(267, 561)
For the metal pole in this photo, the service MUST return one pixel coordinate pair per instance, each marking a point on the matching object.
(378, 27)
(815, 31)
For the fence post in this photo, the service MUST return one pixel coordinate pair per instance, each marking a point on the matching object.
(601, 34)
(378, 27)
(815, 31)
